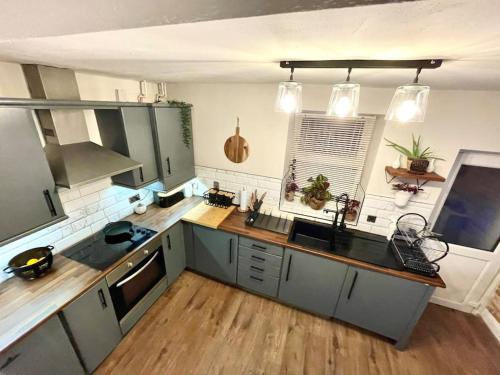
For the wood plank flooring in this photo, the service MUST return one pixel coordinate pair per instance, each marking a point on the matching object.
(201, 326)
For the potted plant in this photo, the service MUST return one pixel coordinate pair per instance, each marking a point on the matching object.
(316, 194)
(404, 193)
(352, 210)
(417, 158)
(291, 186)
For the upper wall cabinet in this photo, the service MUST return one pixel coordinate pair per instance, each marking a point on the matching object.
(175, 157)
(128, 131)
(29, 199)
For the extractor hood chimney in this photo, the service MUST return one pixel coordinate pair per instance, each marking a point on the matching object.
(74, 160)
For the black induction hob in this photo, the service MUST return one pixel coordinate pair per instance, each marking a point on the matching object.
(94, 252)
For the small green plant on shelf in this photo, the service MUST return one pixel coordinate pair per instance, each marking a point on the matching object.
(316, 194)
(186, 119)
(418, 157)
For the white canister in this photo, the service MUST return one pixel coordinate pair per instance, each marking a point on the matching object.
(188, 190)
(401, 198)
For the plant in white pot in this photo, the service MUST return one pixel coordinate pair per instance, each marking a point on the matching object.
(417, 158)
(404, 193)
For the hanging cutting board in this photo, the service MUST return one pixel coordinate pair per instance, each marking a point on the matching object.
(208, 216)
(236, 147)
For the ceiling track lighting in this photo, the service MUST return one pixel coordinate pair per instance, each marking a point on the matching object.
(409, 103)
(289, 98)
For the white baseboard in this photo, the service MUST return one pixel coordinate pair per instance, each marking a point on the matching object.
(452, 304)
(491, 322)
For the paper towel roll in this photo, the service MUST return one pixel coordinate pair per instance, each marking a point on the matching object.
(243, 200)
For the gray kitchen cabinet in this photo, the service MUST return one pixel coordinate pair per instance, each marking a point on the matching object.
(215, 253)
(381, 303)
(46, 351)
(175, 158)
(93, 325)
(311, 282)
(174, 252)
(29, 199)
(128, 131)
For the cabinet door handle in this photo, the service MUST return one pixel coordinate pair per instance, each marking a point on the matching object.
(168, 166)
(9, 361)
(255, 246)
(288, 268)
(258, 258)
(230, 250)
(352, 285)
(169, 244)
(102, 298)
(141, 175)
(50, 203)
(256, 278)
(257, 268)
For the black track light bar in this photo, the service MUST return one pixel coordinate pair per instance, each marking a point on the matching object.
(363, 64)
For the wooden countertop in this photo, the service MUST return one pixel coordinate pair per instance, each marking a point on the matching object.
(235, 223)
(26, 304)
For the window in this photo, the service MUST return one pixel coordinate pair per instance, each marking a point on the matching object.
(334, 147)
(470, 215)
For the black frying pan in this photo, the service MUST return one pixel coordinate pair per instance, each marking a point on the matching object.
(119, 231)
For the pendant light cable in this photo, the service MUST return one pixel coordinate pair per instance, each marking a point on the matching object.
(419, 70)
(349, 70)
(291, 73)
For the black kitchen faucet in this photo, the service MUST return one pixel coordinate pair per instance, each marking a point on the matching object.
(343, 198)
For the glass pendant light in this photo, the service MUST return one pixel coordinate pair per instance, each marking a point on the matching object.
(344, 99)
(289, 98)
(409, 102)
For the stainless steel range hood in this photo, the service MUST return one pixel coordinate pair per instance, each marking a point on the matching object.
(73, 158)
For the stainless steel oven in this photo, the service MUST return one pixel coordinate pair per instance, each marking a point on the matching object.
(137, 283)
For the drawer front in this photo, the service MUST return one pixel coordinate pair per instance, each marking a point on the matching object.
(259, 257)
(258, 282)
(262, 268)
(261, 246)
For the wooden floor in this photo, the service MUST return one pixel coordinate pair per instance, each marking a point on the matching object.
(201, 326)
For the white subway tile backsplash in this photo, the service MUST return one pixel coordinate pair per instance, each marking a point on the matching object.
(97, 226)
(72, 239)
(78, 225)
(92, 208)
(107, 202)
(73, 205)
(95, 186)
(91, 198)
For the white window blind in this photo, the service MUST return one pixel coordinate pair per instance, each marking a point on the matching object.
(334, 147)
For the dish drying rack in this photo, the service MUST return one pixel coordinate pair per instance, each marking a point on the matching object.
(415, 247)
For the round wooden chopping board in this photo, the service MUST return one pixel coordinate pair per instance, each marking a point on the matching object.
(236, 147)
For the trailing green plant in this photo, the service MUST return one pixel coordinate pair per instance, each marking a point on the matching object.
(318, 189)
(417, 151)
(186, 120)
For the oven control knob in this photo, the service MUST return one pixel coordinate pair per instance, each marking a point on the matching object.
(130, 264)
(146, 251)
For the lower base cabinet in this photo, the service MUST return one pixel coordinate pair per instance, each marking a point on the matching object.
(46, 351)
(174, 252)
(93, 325)
(381, 303)
(215, 253)
(311, 282)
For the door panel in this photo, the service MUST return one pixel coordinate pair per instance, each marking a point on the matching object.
(28, 188)
(216, 253)
(92, 321)
(174, 251)
(310, 282)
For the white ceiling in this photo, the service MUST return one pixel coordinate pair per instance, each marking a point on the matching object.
(467, 33)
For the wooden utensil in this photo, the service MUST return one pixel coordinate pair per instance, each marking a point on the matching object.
(236, 147)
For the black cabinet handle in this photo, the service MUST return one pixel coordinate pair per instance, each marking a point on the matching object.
(141, 175)
(168, 166)
(169, 244)
(288, 269)
(50, 203)
(257, 268)
(230, 250)
(256, 278)
(259, 247)
(352, 285)
(10, 360)
(100, 293)
(258, 258)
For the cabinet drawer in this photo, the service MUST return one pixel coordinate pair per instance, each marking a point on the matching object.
(261, 246)
(264, 268)
(258, 282)
(259, 257)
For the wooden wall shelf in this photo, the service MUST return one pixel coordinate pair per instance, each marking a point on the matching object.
(404, 173)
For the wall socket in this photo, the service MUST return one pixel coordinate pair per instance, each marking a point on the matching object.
(134, 198)
(371, 218)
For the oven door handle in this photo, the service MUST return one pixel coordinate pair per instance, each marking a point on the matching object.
(137, 272)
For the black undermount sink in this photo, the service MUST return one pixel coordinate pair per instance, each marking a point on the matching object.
(353, 244)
